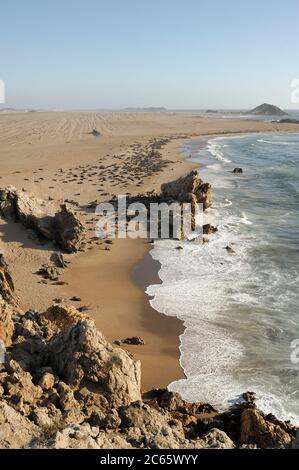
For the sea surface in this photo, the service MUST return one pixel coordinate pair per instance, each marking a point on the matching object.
(240, 309)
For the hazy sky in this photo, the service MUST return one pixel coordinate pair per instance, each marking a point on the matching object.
(178, 54)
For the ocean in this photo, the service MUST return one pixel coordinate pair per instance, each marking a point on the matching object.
(240, 309)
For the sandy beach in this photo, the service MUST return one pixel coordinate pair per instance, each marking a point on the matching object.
(55, 156)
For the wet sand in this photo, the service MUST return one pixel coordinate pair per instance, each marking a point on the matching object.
(121, 309)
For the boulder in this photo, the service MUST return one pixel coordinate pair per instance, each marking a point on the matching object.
(63, 227)
(237, 170)
(81, 356)
(133, 340)
(209, 229)
(69, 230)
(145, 426)
(216, 439)
(16, 431)
(188, 188)
(46, 381)
(257, 430)
(19, 387)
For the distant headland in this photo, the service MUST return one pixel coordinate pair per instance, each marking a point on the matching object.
(267, 110)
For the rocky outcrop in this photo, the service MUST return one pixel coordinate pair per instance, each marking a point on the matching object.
(62, 385)
(63, 227)
(16, 431)
(8, 303)
(165, 212)
(188, 188)
(82, 357)
(257, 430)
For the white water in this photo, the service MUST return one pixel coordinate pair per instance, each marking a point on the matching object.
(240, 310)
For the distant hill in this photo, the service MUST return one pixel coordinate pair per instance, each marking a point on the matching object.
(147, 110)
(268, 110)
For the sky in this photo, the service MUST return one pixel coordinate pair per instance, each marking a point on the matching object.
(187, 54)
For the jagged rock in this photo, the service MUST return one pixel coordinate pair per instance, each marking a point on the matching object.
(64, 228)
(46, 381)
(7, 289)
(16, 431)
(92, 403)
(188, 188)
(134, 340)
(49, 272)
(80, 355)
(209, 229)
(249, 397)
(69, 230)
(60, 316)
(82, 437)
(40, 416)
(237, 170)
(112, 420)
(58, 260)
(67, 399)
(19, 388)
(76, 437)
(6, 323)
(146, 427)
(8, 303)
(172, 401)
(216, 439)
(256, 430)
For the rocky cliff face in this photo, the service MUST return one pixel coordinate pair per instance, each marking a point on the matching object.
(62, 227)
(64, 386)
(8, 303)
(188, 188)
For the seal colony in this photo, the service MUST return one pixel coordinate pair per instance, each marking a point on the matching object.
(63, 385)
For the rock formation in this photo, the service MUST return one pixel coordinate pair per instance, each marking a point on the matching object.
(188, 188)
(62, 385)
(8, 303)
(63, 227)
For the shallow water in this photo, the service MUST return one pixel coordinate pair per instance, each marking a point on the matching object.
(241, 309)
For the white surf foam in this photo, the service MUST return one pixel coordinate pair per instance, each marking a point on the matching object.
(275, 142)
(214, 147)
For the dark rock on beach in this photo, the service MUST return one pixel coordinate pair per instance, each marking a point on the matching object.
(209, 229)
(134, 340)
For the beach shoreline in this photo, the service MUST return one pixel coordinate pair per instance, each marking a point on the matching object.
(104, 280)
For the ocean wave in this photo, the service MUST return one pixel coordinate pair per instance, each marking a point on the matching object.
(233, 303)
(244, 219)
(214, 148)
(276, 142)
